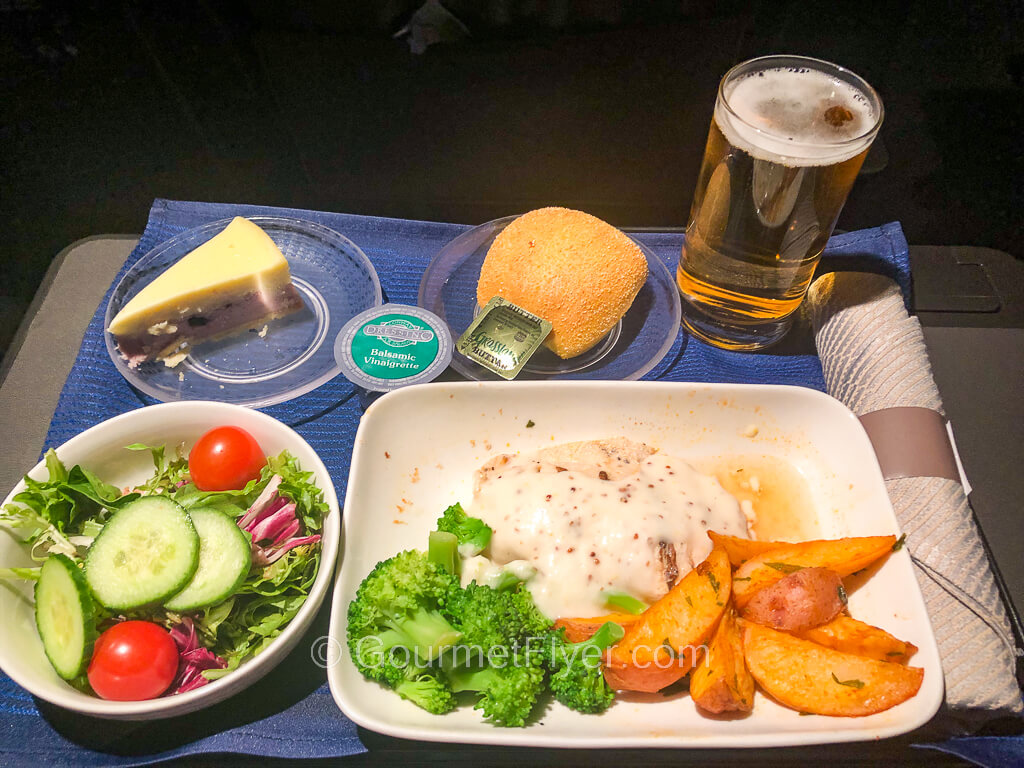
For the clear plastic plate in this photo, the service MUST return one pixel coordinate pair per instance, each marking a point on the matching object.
(632, 348)
(296, 353)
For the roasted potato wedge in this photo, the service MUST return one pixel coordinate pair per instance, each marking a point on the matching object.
(741, 550)
(662, 645)
(650, 675)
(844, 556)
(853, 636)
(579, 629)
(800, 600)
(721, 682)
(811, 678)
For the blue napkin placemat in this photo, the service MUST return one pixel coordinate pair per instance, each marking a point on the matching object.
(988, 751)
(263, 720)
(313, 727)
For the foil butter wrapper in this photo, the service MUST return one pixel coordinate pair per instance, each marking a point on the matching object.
(503, 337)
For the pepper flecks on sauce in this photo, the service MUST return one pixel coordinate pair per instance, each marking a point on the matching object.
(639, 540)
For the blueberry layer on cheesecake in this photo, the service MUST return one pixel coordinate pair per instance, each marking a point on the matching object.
(237, 280)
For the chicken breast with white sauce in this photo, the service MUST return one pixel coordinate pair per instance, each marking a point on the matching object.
(597, 515)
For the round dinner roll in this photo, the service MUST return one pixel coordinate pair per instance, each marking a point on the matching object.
(569, 268)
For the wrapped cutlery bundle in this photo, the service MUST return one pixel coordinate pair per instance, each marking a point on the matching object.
(874, 360)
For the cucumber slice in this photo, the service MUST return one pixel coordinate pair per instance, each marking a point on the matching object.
(147, 551)
(65, 616)
(225, 557)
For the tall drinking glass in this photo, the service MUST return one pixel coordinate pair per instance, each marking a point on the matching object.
(787, 139)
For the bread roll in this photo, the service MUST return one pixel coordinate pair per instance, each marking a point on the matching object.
(568, 267)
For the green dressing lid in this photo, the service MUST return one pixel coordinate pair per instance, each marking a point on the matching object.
(392, 346)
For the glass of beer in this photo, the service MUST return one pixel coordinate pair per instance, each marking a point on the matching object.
(788, 137)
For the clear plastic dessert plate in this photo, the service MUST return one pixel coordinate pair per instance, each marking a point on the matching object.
(632, 347)
(267, 365)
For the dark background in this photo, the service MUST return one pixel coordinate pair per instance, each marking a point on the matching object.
(602, 106)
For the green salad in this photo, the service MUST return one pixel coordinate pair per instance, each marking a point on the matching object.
(163, 587)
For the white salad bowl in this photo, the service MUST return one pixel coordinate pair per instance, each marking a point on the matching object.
(416, 452)
(101, 449)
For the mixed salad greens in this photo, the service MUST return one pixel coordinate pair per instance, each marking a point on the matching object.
(414, 628)
(218, 566)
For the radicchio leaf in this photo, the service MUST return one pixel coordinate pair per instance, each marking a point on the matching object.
(192, 658)
(273, 526)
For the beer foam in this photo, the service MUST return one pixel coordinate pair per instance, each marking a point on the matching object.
(783, 117)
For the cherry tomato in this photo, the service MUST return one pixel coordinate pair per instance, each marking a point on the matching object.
(133, 661)
(225, 459)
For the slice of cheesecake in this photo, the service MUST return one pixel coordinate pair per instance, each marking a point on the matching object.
(239, 279)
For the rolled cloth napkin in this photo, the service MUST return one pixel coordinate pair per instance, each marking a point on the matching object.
(874, 358)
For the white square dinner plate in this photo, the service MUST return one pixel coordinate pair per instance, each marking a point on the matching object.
(415, 454)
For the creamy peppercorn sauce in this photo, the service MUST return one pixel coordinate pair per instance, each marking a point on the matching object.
(637, 525)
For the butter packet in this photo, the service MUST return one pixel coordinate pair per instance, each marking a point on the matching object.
(503, 337)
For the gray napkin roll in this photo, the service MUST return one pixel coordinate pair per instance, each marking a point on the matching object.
(874, 357)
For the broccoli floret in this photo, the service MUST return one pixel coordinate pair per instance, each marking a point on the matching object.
(509, 578)
(412, 627)
(500, 655)
(576, 678)
(491, 617)
(443, 549)
(396, 617)
(623, 601)
(473, 534)
(424, 688)
(507, 693)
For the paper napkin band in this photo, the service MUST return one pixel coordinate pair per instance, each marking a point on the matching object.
(911, 442)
